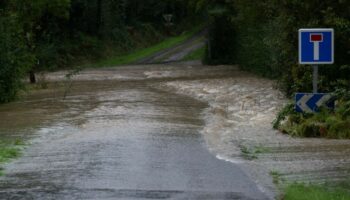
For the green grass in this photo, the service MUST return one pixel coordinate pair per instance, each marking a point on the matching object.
(8, 151)
(143, 53)
(312, 192)
(196, 55)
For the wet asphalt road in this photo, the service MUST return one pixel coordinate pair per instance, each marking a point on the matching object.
(119, 140)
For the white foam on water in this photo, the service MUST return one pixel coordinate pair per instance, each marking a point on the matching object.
(231, 160)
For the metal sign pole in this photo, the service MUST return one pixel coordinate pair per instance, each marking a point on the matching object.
(315, 78)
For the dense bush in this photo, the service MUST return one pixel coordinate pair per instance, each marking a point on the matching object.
(14, 57)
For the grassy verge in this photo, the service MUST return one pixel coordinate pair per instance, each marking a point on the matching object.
(143, 53)
(8, 151)
(312, 192)
(196, 55)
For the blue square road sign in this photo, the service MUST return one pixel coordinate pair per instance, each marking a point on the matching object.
(316, 46)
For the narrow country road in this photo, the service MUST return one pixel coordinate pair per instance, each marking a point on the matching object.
(116, 136)
(179, 52)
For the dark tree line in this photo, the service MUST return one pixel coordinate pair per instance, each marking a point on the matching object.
(51, 34)
(260, 36)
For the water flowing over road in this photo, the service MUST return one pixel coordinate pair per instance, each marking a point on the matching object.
(116, 136)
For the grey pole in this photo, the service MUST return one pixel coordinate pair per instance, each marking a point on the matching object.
(315, 78)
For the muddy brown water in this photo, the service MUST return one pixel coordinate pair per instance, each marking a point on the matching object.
(117, 137)
(239, 129)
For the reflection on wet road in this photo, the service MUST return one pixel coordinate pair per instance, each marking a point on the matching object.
(117, 140)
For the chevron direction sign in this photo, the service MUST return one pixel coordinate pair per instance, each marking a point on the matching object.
(309, 103)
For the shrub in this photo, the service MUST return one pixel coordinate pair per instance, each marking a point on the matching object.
(327, 123)
(14, 58)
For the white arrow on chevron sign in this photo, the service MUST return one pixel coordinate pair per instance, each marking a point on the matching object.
(302, 103)
(323, 100)
(306, 106)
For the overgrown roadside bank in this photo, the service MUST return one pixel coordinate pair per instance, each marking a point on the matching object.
(238, 129)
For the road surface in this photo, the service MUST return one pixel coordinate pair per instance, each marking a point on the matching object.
(116, 136)
(179, 52)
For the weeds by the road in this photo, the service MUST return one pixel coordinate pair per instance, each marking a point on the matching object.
(326, 123)
(9, 151)
(315, 192)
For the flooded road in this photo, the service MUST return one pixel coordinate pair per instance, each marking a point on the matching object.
(116, 136)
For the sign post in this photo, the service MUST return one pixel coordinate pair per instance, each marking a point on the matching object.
(316, 47)
(315, 79)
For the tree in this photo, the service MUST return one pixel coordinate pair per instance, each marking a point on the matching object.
(42, 22)
(15, 58)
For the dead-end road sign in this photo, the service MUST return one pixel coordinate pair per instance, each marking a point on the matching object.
(316, 46)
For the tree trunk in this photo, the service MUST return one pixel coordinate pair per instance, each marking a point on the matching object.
(32, 78)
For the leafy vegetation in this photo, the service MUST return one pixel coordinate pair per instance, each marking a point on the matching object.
(315, 192)
(14, 57)
(327, 123)
(9, 150)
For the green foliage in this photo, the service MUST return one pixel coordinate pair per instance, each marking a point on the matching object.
(327, 123)
(8, 153)
(283, 114)
(14, 57)
(315, 192)
(9, 150)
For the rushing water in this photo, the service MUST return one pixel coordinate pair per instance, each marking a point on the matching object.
(115, 136)
(239, 129)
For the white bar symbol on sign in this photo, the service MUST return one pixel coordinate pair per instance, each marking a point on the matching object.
(316, 38)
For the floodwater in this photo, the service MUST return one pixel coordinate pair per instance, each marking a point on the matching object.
(239, 129)
(115, 136)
